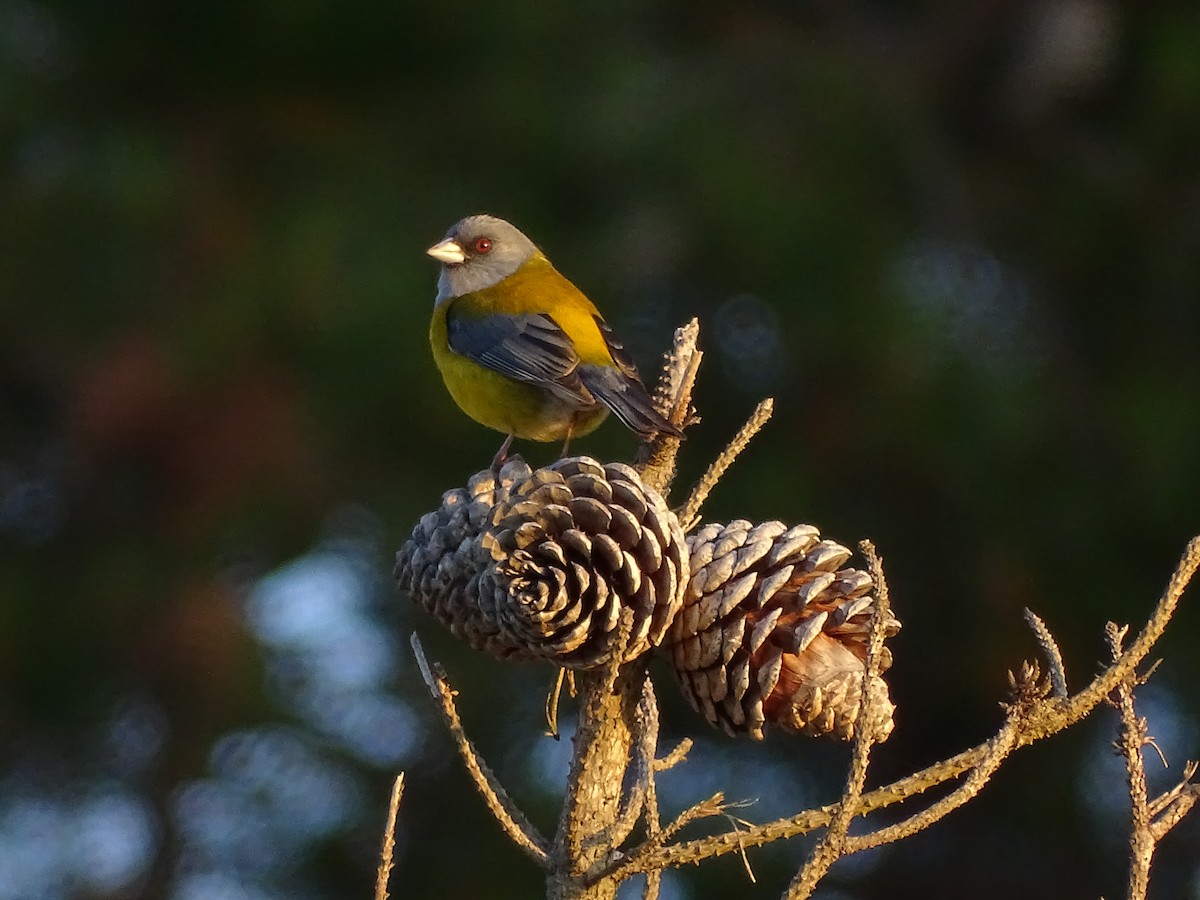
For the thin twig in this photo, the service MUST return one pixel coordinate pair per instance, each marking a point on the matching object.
(389, 840)
(1169, 808)
(1176, 811)
(874, 661)
(1163, 800)
(1133, 738)
(675, 757)
(996, 750)
(552, 699)
(631, 863)
(737, 824)
(655, 459)
(1054, 661)
(1150, 819)
(833, 843)
(653, 821)
(514, 822)
(1102, 685)
(672, 394)
(689, 514)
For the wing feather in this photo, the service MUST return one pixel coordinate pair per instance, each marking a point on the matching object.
(620, 389)
(529, 347)
(532, 348)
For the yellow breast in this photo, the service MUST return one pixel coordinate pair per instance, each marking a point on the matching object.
(502, 403)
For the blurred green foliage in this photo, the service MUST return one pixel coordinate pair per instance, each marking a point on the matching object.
(959, 243)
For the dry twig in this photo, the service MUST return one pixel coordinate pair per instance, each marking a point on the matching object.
(673, 397)
(1133, 738)
(552, 699)
(1151, 819)
(603, 741)
(514, 822)
(389, 840)
(640, 773)
(622, 867)
(1168, 808)
(834, 843)
(1058, 674)
(689, 515)
(675, 757)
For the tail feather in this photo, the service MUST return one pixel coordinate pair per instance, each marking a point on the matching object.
(627, 398)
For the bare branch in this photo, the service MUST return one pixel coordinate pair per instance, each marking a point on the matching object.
(834, 842)
(591, 722)
(653, 823)
(1163, 800)
(1176, 803)
(673, 397)
(389, 841)
(1054, 661)
(675, 757)
(552, 699)
(1150, 819)
(1133, 738)
(603, 742)
(996, 750)
(689, 514)
(1103, 684)
(634, 861)
(514, 822)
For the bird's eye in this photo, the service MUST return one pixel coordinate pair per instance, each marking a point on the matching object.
(483, 245)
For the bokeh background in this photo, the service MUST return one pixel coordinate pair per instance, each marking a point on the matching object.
(959, 243)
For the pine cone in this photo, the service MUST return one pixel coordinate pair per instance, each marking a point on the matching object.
(773, 631)
(540, 564)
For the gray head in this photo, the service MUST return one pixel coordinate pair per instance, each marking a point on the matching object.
(478, 252)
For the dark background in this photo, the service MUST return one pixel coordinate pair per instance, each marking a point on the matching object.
(959, 243)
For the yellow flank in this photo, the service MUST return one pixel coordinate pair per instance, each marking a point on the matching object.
(502, 403)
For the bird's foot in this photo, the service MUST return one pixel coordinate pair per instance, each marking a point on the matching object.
(501, 456)
(566, 447)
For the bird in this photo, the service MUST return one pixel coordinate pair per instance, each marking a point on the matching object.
(521, 349)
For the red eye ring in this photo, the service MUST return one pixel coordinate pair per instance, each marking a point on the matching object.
(483, 245)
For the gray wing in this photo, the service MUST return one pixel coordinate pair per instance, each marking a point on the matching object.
(529, 347)
(620, 389)
(627, 398)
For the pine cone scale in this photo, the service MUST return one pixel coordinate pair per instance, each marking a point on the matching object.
(773, 630)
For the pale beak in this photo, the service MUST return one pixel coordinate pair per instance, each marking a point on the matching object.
(448, 251)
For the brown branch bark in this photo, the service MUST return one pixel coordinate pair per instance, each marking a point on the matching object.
(388, 847)
(835, 842)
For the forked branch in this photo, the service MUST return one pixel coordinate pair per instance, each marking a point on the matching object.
(1150, 820)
